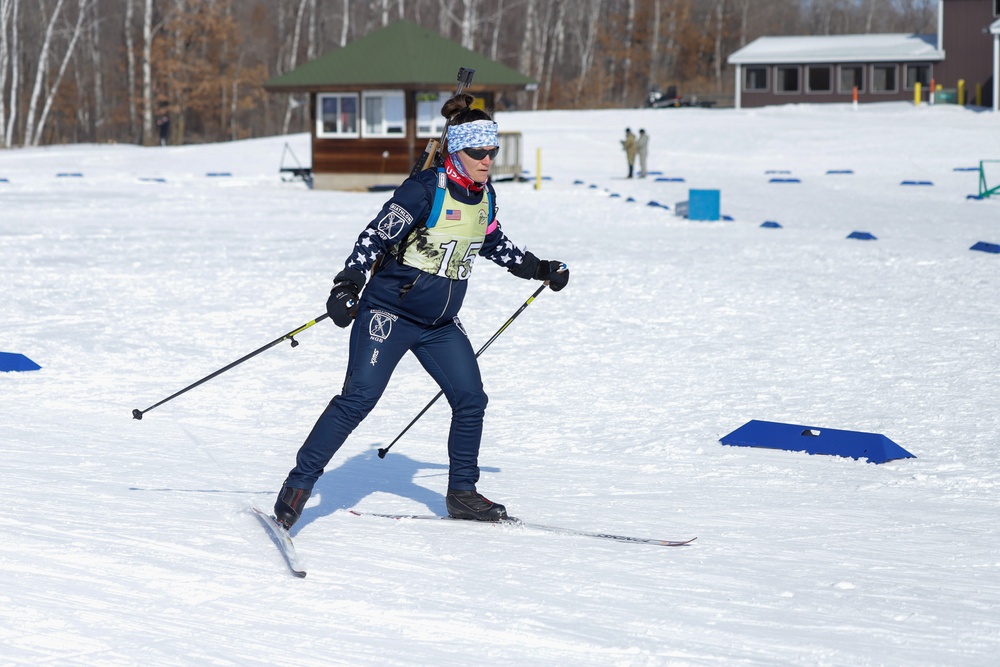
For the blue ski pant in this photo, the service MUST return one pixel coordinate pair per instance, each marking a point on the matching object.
(379, 339)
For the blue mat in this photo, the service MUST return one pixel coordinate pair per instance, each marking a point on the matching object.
(873, 447)
(13, 361)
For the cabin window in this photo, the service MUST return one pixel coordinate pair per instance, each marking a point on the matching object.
(851, 76)
(756, 79)
(385, 114)
(337, 115)
(884, 79)
(787, 80)
(430, 122)
(819, 79)
(918, 74)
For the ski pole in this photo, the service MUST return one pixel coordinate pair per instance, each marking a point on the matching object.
(382, 452)
(137, 413)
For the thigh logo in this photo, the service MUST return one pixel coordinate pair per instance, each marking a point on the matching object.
(458, 324)
(380, 325)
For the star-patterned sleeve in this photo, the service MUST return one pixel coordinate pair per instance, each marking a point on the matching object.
(501, 250)
(409, 204)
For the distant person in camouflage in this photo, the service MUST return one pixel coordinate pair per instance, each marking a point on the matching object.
(630, 147)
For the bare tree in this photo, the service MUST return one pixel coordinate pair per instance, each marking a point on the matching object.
(97, 70)
(293, 101)
(15, 76)
(870, 16)
(469, 22)
(720, 10)
(555, 50)
(497, 22)
(40, 71)
(147, 73)
(6, 11)
(526, 53)
(627, 47)
(654, 46)
(345, 23)
(743, 12)
(587, 39)
(130, 73)
(311, 41)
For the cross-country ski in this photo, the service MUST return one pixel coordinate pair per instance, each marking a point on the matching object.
(282, 540)
(513, 521)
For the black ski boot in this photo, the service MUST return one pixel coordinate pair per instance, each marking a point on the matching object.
(289, 506)
(472, 505)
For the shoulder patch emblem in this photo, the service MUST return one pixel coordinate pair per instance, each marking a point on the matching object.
(394, 221)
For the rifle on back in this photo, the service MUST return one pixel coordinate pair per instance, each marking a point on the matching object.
(432, 152)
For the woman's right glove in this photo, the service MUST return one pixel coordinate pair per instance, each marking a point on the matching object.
(342, 305)
(554, 271)
(542, 269)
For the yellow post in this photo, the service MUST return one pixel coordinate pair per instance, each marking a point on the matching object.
(961, 92)
(538, 169)
(916, 94)
(979, 94)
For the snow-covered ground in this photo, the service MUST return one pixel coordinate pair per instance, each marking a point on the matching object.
(127, 542)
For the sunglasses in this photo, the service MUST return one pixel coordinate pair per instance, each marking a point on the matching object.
(480, 153)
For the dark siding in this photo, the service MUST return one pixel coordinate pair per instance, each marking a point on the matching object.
(761, 98)
(968, 47)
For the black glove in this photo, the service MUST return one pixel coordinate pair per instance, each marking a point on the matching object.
(553, 271)
(343, 302)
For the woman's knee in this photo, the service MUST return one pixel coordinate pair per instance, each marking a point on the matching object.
(470, 402)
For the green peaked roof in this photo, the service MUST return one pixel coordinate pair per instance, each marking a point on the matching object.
(401, 54)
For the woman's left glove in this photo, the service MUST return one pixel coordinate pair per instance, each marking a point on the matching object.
(342, 305)
(554, 271)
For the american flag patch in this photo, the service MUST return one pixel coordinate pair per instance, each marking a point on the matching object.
(453, 214)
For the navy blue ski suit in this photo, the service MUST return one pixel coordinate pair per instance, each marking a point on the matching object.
(404, 308)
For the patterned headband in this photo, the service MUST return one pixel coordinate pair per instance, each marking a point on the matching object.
(470, 135)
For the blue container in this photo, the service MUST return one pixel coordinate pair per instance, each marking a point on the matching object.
(703, 204)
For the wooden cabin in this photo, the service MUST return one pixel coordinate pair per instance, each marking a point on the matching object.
(375, 102)
(827, 68)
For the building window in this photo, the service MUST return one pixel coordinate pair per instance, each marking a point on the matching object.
(430, 122)
(755, 79)
(852, 76)
(337, 116)
(787, 80)
(996, 7)
(819, 79)
(884, 79)
(385, 114)
(918, 74)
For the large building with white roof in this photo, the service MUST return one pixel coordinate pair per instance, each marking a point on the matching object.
(830, 68)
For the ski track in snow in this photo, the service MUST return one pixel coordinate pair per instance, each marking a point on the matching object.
(129, 542)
